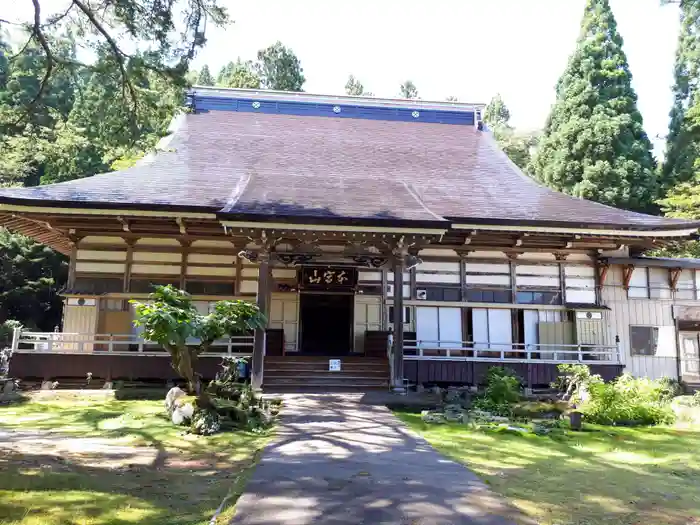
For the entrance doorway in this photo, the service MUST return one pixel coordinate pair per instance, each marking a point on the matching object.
(326, 323)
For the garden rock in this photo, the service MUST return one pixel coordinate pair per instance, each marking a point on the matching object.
(182, 414)
(454, 413)
(171, 397)
(432, 416)
(8, 387)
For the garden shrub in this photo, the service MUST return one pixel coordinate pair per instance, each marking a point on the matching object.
(574, 380)
(502, 390)
(696, 399)
(628, 401)
(205, 422)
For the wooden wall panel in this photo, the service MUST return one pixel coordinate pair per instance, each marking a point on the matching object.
(101, 255)
(154, 269)
(97, 267)
(146, 257)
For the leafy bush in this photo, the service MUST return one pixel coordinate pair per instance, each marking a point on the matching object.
(502, 390)
(573, 381)
(669, 388)
(205, 422)
(696, 399)
(628, 401)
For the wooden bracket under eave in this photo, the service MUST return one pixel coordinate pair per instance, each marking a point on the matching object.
(603, 274)
(627, 275)
(674, 274)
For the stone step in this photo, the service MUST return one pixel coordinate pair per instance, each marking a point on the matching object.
(324, 368)
(336, 376)
(350, 386)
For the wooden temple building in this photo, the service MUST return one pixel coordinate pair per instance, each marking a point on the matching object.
(389, 242)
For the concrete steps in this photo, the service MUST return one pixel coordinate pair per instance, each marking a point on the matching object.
(311, 373)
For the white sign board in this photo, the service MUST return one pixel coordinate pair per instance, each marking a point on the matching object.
(334, 365)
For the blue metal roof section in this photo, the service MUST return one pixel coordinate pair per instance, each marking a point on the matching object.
(285, 103)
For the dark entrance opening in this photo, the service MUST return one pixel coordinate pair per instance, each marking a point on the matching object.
(326, 323)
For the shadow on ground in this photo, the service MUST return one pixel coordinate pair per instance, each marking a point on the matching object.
(340, 459)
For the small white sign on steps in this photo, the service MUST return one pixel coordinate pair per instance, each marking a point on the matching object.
(334, 365)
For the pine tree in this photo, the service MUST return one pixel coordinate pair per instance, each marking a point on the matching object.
(205, 78)
(682, 143)
(594, 145)
(497, 113)
(408, 90)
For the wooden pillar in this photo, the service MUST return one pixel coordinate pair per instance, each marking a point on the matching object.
(126, 286)
(72, 264)
(263, 302)
(397, 383)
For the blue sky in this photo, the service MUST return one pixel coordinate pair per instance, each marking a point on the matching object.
(467, 48)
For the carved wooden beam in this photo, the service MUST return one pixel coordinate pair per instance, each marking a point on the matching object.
(627, 275)
(674, 274)
(603, 274)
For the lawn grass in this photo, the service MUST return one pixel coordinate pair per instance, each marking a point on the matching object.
(184, 484)
(604, 475)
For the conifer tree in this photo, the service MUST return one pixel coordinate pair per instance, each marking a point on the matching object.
(683, 141)
(594, 145)
(204, 78)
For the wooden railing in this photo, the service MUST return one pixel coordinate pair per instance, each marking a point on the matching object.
(115, 344)
(511, 352)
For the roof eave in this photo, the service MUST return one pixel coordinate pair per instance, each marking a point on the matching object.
(674, 229)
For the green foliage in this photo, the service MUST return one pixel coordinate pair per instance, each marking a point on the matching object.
(683, 140)
(30, 276)
(408, 90)
(354, 88)
(628, 401)
(594, 145)
(238, 74)
(574, 380)
(279, 68)
(497, 113)
(205, 78)
(205, 422)
(502, 390)
(696, 399)
(7, 330)
(518, 146)
(169, 318)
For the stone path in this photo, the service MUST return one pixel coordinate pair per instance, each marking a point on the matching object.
(339, 461)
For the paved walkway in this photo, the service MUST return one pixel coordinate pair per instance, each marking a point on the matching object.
(339, 461)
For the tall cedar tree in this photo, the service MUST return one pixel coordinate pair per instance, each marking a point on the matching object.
(594, 145)
(204, 78)
(683, 141)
